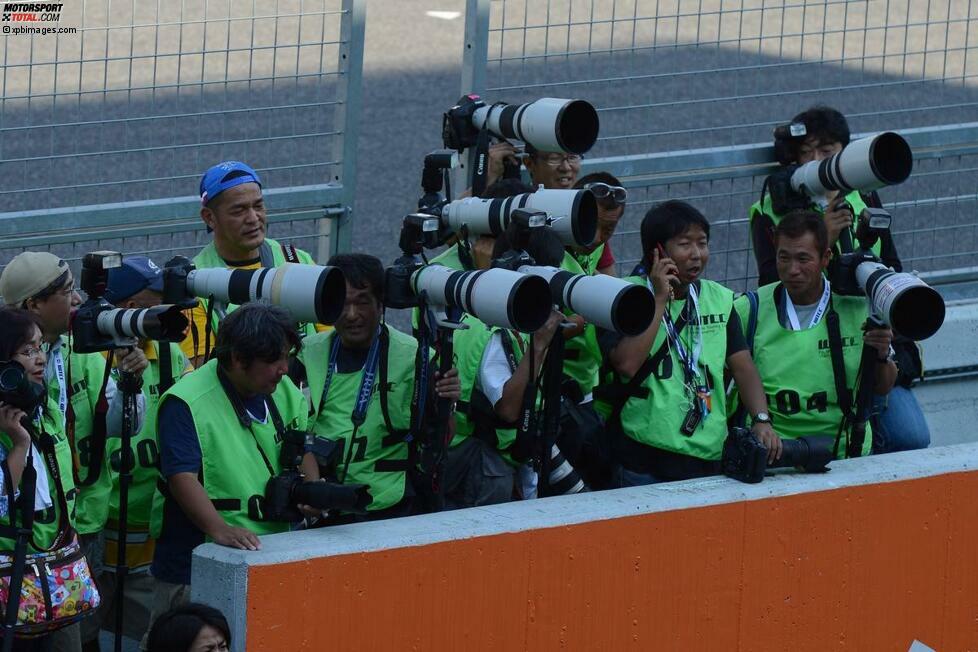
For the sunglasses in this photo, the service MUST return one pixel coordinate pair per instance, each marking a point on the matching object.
(604, 192)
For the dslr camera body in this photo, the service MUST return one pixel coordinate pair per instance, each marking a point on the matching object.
(285, 491)
(97, 325)
(745, 457)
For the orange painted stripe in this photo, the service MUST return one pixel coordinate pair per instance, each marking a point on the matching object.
(861, 568)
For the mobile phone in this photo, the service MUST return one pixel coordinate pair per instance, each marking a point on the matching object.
(662, 254)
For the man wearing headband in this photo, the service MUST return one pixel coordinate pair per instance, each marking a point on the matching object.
(233, 208)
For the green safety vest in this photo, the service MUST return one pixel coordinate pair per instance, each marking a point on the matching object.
(86, 373)
(654, 418)
(46, 521)
(208, 258)
(145, 448)
(381, 453)
(805, 403)
(236, 461)
(854, 198)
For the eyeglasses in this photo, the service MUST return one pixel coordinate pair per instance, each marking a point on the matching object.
(602, 191)
(554, 160)
(32, 352)
(68, 291)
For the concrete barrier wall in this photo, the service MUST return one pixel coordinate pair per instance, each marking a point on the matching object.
(874, 555)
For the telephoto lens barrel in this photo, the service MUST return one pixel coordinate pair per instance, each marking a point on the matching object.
(811, 453)
(574, 214)
(311, 293)
(609, 302)
(164, 323)
(865, 164)
(332, 495)
(498, 297)
(549, 124)
(903, 301)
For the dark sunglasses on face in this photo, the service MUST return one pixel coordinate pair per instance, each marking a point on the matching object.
(604, 192)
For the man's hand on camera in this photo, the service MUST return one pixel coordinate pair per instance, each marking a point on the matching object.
(450, 386)
(838, 218)
(236, 537)
(880, 339)
(578, 326)
(482, 251)
(499, 154)
(543, 336)
(132, 360)
(765, 433)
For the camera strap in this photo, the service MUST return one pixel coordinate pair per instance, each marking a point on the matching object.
(245, 418)
(99, 430)
(165, 358)
(843, 394)
(480, 172)
(367, 382)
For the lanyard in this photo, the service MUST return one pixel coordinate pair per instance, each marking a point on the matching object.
(366, 381)
(690, 362)
(823, 303)
(59, 371)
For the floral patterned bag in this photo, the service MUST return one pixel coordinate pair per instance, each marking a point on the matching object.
(56, 584)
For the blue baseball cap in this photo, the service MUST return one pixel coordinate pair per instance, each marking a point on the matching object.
(223, 176)
(137, 273)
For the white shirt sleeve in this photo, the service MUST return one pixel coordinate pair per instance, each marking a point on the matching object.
(494, 371)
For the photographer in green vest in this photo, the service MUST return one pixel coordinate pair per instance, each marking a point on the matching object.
(138, 283)
(813, 135)
(233, 208)
(793, 332)
(221, 430)
(664, 395)
(361, 380)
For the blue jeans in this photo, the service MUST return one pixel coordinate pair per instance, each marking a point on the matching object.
(898, 422)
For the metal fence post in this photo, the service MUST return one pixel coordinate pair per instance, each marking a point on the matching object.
(340, 228)
(475, 54)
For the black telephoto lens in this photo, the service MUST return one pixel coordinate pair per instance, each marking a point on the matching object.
(331, 495)
(811, 453)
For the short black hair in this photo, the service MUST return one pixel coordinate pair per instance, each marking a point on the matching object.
(256, 331)
(825, 124)
(799, 222)
(507, 188)
(16, 328)
(598, 177)
(175, 630)
(361, 271)
(667, 220)
(544, 246)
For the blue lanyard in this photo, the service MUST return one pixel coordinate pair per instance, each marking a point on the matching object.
(690, 362)
(366, 381)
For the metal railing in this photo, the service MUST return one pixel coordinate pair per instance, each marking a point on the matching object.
(104, 133)
(688, 93)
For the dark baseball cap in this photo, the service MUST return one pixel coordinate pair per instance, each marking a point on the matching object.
(223, 176)
(137, 273)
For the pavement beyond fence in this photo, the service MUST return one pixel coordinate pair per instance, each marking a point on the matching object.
(874, 555)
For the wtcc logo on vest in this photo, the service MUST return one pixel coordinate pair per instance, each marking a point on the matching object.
(32, 12)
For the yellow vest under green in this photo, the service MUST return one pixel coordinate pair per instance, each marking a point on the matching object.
(46, 521)
(208, 258)
(86, 372)
(232, 469)
(380, 457)
(656, 419)
(145, 447)
(796, 366)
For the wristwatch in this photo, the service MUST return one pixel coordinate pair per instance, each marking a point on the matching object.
(761, 417)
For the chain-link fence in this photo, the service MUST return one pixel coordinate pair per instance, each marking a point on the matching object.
(104, 133)
(712, 76)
